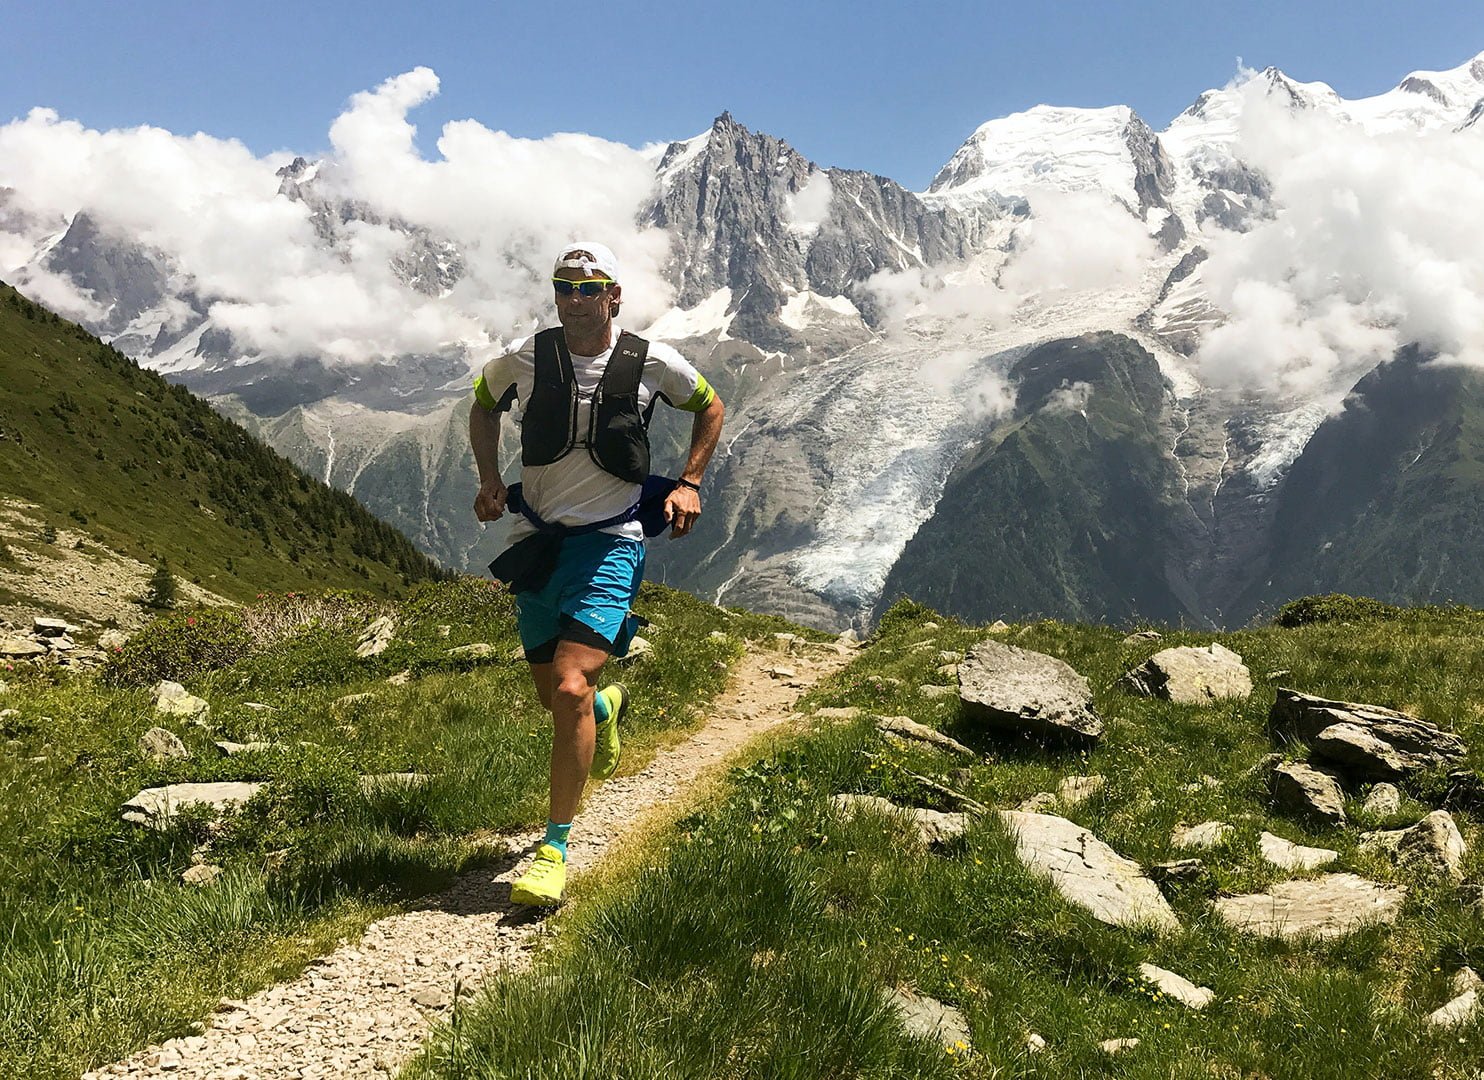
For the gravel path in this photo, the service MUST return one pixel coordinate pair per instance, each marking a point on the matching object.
(364, 1009)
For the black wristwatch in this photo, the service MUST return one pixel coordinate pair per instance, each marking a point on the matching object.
(687, 483)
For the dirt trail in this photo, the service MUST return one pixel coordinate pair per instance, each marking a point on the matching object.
(364, 1009)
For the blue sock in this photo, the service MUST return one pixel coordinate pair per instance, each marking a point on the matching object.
(556, 836)
(600, 708)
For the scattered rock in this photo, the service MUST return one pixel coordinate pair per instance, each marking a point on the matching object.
(1034, 1043)
(1087, 871)
(850, 639)
(1075, 790)
(1465, 986)
(907, 730)
(1178, 870)
(1395, 743)
(257, 706)
(947, 671)
(999, 626)
(935, 690)
(172, 699)
(1307, 790)
(949, 656)
(1383, 801)
(1287, 855)
(1191, 676)
(158, 805)
(201, 875)
(231, 749)
(1202, 837)
(1040, 803)
(717, 635)
(779, 672)
(928, 1018)
(1139, 637)
(1330, 906)
(479, 650)
(376, 637)
(433, 997)
(933, 827)
(16, 648)
(929, 626)
(112, 639)
(638, 647)
(401, 678)
(51, 628)
(1181, 989)
(343, 704)
(1010, 688)
(831, 712)
(1117, 1046)
(1434, 843)
(162, 745)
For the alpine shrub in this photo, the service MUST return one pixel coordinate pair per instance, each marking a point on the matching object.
(179, 647)
(1334, 607)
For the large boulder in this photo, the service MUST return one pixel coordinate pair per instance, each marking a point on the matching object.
(1087, 871)
(1328, 906)
(1368, 740)
(1025, 692)
(1191, 676)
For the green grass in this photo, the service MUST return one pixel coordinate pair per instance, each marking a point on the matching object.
(150, 471)
(104, 950)
(756, 937)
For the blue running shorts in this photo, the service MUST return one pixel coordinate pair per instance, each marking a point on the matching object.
(595, 582)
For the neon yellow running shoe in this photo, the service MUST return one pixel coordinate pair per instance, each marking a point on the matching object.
(607, 749)
(544, 882)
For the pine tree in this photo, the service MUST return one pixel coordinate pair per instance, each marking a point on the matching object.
(161, 594)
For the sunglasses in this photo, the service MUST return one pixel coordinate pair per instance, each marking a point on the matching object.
(590, 287)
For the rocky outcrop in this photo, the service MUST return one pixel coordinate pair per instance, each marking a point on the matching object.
(1368, 740)
(1022, 692)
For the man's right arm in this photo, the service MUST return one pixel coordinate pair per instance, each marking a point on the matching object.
(484, 438)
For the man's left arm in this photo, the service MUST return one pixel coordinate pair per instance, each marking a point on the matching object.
(683, 505)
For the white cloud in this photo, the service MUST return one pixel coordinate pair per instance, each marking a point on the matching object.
(1374, 244)
(808, 207)
(213, 208)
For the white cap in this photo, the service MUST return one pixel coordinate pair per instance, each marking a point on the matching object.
(589, 257)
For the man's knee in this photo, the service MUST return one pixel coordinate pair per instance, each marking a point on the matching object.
(569, 691)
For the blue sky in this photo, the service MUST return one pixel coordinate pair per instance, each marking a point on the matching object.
(889, 87)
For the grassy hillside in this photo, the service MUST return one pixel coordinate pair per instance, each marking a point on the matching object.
(106, 950)
(1387, 499)
(148, 470)
(756, 938)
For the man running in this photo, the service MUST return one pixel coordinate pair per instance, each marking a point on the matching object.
(576, 553)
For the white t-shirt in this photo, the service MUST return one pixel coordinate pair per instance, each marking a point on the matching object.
(574, 490)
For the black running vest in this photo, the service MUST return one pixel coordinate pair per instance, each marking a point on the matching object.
(616, 436)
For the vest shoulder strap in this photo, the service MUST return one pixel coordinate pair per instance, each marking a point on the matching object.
(625, 367)
(553, 361)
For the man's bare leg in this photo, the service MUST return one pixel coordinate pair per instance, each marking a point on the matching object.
(573, 679)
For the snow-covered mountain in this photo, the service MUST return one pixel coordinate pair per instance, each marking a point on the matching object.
(871, 343)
